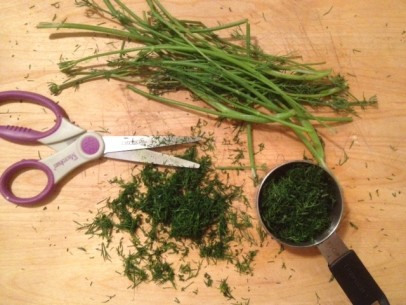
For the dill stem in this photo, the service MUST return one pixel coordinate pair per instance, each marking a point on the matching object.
(251, 153)
(226, 114)
(305, 76)
(93, 28)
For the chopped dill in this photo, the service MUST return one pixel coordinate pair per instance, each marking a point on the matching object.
(208, 281)
(245, 266)
(296, 206)
(225, 289)
(353, 225)
(187, 272)
(162, 272)
(344, 160)
(172, 211)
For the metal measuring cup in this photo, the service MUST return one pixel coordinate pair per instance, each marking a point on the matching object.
(344, 264)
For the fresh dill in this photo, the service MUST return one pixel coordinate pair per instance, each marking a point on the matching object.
(234, 78)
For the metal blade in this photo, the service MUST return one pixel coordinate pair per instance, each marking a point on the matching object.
(149, 156)
(126, 143)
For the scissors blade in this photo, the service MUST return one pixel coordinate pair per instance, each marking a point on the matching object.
(149, 156)
(126, 143)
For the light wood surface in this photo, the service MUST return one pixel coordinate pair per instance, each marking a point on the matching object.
(41, 256)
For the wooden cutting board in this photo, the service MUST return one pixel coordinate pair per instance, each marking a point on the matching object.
(45, 260)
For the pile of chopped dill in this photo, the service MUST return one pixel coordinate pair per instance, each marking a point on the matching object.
(296, 206)
(164, 213)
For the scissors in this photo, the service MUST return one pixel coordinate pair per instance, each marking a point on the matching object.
(75, 146)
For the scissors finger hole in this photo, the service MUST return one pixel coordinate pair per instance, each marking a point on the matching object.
(26, 182)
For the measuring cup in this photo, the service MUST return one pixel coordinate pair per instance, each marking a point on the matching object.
(344, 264)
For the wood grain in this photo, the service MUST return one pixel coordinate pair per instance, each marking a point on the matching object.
(41, 256)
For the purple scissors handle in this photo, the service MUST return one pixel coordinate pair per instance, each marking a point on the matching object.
(28, 135)
(87, 147)
(9, 175)
(74, 147)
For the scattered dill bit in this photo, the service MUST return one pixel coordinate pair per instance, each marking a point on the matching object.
(328, 12)
(225, 289)
(239, 155)
(82, 249)
(244, 266)
(56, 5)
(207, 142)
(187, 286)
(187, 272)
(281, 249)
(344, 160)
(208, 281)
(104, 252)
(103, 130)
(109, 298)
(393, 148)
(317, 298)
(353, 225)
(262, 234)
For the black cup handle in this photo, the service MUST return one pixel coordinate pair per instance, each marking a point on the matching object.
(356, 281)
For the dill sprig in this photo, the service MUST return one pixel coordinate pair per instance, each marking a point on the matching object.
(233, 76)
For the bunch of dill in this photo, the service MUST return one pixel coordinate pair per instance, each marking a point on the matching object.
(233, 77)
